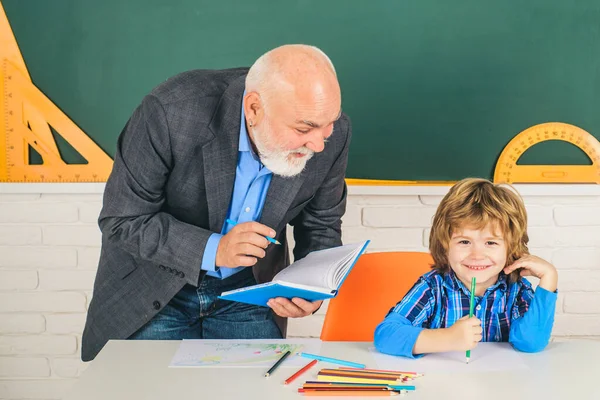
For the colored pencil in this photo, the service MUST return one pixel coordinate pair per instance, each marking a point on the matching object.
(471, 306)
(342, 376)
(345, 389)
(370, 374)
(332, 360)
(360, 373)
(274, 367)
(312, 384)
(299, 372)
(349, 393)
(333, 378)
(385, 371)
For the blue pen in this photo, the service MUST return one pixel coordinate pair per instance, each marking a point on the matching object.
(332, 360)
(270, 239)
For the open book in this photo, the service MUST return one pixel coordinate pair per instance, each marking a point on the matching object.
(317, 276)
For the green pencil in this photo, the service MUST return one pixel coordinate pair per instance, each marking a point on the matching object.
(471, 305)
(274, 367)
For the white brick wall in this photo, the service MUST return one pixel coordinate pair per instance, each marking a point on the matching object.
(49, 249)
(28, 367)
(50, 245)
(66, 280)
(37, 344)
(65, 323)
(42, 301)
(22, 323)
(15, 280)
(18, 235)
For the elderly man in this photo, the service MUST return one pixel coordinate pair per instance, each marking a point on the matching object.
(265, 147)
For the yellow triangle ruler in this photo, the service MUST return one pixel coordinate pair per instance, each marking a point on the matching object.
(26, 115)
(507, 170)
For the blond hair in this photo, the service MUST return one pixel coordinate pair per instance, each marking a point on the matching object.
(478, 203)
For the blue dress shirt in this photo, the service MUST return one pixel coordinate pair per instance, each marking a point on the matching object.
(252, 180)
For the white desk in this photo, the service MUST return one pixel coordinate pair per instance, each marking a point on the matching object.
(138, 370)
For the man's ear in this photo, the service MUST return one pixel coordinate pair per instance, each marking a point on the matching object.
(253, 108)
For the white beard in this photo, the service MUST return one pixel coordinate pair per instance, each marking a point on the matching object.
(280, 162)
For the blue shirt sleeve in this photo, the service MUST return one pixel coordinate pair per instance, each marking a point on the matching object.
(210, 253)
(532, 319)
(400, 329)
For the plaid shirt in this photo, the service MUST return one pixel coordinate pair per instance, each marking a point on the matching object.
(439, 300)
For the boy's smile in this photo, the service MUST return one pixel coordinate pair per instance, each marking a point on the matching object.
(477, 267)
(479, 253)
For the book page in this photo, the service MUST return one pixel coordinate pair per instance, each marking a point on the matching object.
(323, 268)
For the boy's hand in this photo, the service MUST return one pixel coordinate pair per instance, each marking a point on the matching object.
(535, 266)
(465, 333)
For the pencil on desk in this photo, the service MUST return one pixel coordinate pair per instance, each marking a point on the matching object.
(356, 376)
(383, 371)
(349, 388)
(299, 372)
(345, 389)
(471, 304)
(349, 393)
(274, 367)
(269, 238)
(359, 373)
(348, 379)
(326, 376)
(318, 384)
(332, 360)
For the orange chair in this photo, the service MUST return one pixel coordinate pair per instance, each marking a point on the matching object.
(375, 284)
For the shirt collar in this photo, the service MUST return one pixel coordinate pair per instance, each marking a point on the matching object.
(452, 282)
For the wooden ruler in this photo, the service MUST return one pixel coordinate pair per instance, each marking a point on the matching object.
(507, 170)
(26, 115)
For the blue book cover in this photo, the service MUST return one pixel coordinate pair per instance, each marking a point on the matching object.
(318, 276)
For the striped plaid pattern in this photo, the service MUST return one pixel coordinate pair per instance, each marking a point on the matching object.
(439, 300)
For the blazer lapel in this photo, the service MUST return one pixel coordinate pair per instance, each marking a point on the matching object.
(281, 193)
(221, 154)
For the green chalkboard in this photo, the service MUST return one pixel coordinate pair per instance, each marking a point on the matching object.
(435, 88)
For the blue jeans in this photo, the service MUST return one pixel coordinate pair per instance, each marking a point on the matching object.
(197, 313)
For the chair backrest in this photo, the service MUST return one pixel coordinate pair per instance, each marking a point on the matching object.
(375, 284)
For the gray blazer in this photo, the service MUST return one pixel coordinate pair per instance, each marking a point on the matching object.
(170, 189)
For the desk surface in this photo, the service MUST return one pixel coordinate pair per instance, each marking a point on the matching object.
(138, 370)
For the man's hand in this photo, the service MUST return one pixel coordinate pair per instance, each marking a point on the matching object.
(296, 308)
(243, 245)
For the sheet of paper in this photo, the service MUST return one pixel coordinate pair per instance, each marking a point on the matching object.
(242, 353)
(484, 358)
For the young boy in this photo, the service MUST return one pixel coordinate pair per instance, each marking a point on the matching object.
(479, 230)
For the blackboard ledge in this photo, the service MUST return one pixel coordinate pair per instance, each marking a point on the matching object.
(353, 190)
(440, 190)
